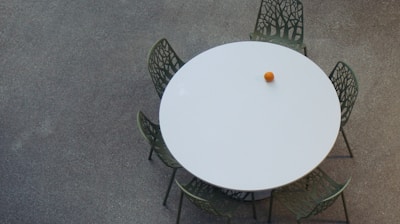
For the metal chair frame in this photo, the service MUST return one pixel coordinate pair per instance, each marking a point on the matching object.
(151, 132)
(310, 195)
(346, 86)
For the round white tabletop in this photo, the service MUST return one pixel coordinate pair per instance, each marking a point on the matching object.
(226, 125)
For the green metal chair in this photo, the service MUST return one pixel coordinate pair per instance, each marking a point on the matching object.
(310, 195)
(163, 63)
(345, 83)
(211, 199)
(151, 132)
(281, 22)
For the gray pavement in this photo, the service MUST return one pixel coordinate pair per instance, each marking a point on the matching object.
(73, 75)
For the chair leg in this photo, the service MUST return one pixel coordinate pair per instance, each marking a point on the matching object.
(270, 206)
(169, 186)
(305, 51)
(179, 209)
(151, 152)
(347, 143)
(254, 206)
(345, 209)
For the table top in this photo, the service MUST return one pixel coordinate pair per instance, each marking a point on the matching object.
(226, 125)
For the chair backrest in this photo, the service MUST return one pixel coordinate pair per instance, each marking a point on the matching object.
(162, 63)
(195, 191)
(328, 201)
(152, 133)
(345, 83)
(280, 19)
(148, 129)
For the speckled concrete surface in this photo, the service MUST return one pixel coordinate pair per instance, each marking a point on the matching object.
(73, 75)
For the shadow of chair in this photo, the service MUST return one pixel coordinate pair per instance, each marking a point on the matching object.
(281, 22)
(163, 63)
(151, 132)
(310, 195)
(346, 86)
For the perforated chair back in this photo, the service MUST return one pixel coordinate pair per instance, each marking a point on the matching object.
(281, 22)
(310, 195)
(346, 85)
(162, 63)
(209, 198)
(328, 201)
(149, 130)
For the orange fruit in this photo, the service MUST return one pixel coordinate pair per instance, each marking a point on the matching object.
(269, 76)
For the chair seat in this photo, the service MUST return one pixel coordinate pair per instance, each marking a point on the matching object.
(221, 200)
(300, 201)
(164, 154)
(300, 47)
(211, 199)
(310, 195)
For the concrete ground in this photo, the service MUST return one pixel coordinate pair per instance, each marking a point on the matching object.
(73, 74)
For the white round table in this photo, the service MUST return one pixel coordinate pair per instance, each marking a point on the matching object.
(226, 125)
